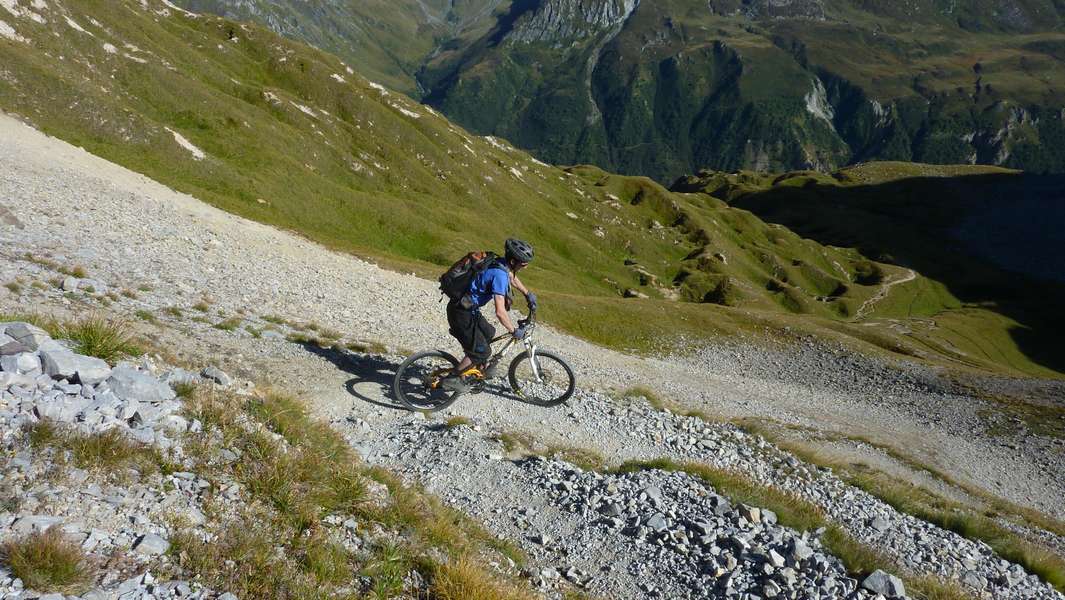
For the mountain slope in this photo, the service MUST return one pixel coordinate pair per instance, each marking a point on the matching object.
(668, 87)
(289, 136)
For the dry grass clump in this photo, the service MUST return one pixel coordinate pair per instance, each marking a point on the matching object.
(110, 451)
(298, 470)
(48, 562)
(228, 324)
(522, 442)
(465, 579)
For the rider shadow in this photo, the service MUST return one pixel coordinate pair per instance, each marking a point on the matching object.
(370, 369)
(366, 368)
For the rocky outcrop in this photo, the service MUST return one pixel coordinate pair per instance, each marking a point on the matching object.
(555, 21)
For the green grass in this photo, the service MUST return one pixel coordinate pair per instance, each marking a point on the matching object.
(14, 287)
(97, 336)
(317, 176)
(48, 562)
(147, 316)
(228, 324)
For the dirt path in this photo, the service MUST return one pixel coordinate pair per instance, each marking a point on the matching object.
(132, 233)
(882, 293)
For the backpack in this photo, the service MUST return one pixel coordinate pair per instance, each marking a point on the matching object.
(455, 282)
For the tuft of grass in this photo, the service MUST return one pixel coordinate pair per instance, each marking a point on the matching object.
(202, 306)
(48, 562)
(144, 287)
(927, 587)
(521, 442)
(228, 324)
(146, 315)
(128, 293)
(253, 331)
(275, 319)
(96, 336)
(75, 271)
(371, 347)
(466, 579)
(659, 403)
(185, 389)
(173, 311)
(859, 559)
(14, 287)
(457, 421)
(110, 451)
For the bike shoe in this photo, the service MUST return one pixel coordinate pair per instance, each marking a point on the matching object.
(454, 383)
(492, 371)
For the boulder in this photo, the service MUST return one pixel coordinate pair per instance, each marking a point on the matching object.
(150, 544)
(27, 334)
(23, 362)
(217, 375)
(64, 364)
(884, 584)
(70, 284)
(9, 345)
(176, 377)
(130, 384)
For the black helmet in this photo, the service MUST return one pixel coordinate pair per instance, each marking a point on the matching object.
(518, 250)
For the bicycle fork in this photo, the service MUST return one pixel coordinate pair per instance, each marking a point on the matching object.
(531, 349)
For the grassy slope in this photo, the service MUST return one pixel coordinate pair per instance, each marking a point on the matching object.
(294, 139)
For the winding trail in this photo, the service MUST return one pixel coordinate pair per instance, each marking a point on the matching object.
(882, 293)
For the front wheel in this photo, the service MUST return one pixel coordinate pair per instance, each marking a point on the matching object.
(417, 382)
(554, 385)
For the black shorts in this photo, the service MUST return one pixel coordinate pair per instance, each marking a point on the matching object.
(472, 330)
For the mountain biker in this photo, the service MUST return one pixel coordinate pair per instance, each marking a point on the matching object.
(468, 325)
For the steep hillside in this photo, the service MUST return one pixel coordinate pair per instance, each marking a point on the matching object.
(668, 87)
(289, 136)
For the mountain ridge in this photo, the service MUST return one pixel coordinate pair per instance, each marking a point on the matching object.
(814, 85)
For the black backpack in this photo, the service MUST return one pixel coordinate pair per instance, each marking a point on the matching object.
(455, 282)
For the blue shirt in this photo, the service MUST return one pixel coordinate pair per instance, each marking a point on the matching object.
(493, 281)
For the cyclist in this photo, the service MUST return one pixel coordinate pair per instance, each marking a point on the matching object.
(468, 325)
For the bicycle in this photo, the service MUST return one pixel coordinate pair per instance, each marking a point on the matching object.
(537, 376)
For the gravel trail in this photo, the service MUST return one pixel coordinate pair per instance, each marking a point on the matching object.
(130, 232)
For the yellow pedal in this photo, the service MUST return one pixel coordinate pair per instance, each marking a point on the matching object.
(473, 372)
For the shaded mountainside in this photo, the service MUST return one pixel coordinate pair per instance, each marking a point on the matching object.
(668, 87)
(992, 237)
(287, 135)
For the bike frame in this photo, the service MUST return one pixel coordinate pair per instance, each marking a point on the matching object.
(530, 347)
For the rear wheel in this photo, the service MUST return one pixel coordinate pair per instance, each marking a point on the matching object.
(417, 382)
(553, 386)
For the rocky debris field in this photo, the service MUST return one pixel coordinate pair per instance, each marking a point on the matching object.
(215, 289)
(121, 522)
(683, 539)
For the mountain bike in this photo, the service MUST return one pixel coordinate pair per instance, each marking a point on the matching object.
(537, 376)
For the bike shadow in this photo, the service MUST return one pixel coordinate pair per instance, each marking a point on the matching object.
(374, 370)
(369, 370)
